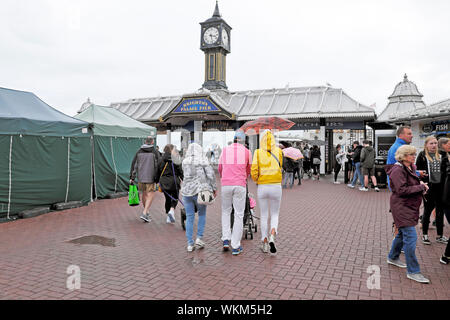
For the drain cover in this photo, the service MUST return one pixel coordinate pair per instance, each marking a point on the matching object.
(93, 239)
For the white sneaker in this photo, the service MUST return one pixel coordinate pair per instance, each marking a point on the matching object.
(199, 243)
(337, 182)
(145, 217)
(363, 189)
(190, 248)
(171, 217)
(351, 186)
(417, 277)
(376, 189)
(265, 247)
(168, 219)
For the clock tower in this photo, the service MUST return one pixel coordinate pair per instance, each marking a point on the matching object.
(215, 43)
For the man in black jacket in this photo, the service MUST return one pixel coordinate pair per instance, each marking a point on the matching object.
(357, 162)
(444, 146)
(145, 167)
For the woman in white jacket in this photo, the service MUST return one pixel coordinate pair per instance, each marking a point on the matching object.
(198, 176)
(340, 160)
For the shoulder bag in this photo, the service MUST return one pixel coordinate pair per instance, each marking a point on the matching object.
(205, 197)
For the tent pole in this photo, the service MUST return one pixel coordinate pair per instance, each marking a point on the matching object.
(93, 165)
(115, 169)
(68, 168)
(10, 174)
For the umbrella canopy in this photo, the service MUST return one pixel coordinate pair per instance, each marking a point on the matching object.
(264, 123)
(292, 153)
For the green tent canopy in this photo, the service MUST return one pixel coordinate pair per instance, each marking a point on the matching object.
(116, 139)
(42, 159)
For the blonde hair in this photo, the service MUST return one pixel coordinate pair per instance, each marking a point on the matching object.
(403, 151)
(427, 154)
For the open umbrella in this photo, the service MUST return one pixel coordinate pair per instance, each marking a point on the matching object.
(292, 153)
(263, 123)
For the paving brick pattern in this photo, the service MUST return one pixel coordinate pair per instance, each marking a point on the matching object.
(328, 236)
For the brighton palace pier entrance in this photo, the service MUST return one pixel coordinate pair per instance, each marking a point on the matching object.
(325, 111)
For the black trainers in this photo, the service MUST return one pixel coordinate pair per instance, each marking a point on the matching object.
(444, 259)
(273, 249)
(425, 240)
(442, 239)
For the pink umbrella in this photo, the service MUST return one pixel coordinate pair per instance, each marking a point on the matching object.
(292, 153)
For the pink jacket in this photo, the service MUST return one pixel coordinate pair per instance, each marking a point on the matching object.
(235, 165)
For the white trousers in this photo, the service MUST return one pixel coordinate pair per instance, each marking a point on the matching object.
(269, 198)
(233, 196)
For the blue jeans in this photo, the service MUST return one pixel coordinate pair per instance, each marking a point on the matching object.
(189, 205)
(288, 179)
(358, 174)
(406, 238)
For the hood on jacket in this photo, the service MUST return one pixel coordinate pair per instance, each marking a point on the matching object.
(369, 148)
(147, 148)
(194, 155)
(389, 168)
(267, 141)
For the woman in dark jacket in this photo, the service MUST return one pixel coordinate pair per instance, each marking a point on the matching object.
(444, 146)
(315, 154)
(429, 160)
(171, 174)
(406, 198)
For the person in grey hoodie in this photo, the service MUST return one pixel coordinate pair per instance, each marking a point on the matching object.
(145, 167)
(368, 165)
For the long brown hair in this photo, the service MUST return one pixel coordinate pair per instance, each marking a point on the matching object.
(427, 154)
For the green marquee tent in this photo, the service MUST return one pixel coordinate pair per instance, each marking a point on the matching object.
(43, 158)
(116, 139)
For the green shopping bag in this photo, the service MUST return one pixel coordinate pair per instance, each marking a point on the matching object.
(133, 195)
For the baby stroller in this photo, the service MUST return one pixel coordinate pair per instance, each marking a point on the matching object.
(250, 226)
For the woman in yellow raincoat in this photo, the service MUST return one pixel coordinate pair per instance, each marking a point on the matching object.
(266, 172)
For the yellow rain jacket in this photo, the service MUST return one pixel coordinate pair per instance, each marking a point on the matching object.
(265, 168)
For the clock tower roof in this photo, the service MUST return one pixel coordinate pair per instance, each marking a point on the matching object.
(216, 17)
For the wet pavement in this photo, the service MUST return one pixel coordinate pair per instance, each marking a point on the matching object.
(331, 240)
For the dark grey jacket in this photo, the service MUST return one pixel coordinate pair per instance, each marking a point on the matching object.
(145, 165)
(367, 157)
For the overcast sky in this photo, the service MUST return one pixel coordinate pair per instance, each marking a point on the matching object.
(113, 50)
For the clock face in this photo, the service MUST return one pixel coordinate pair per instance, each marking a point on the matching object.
(211, 35)
(225, 37)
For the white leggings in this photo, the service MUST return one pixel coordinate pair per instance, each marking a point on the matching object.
(269, 197)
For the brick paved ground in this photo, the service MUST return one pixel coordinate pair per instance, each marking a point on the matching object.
(328, 236)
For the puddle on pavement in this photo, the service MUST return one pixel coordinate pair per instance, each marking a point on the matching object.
(194, 261)
(93, 239)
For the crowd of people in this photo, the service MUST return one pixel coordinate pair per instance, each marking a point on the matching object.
(412, 179)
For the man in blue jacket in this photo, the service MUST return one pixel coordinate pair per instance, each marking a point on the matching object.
(404, 136)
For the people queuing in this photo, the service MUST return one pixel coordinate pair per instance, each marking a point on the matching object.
(411, 177)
